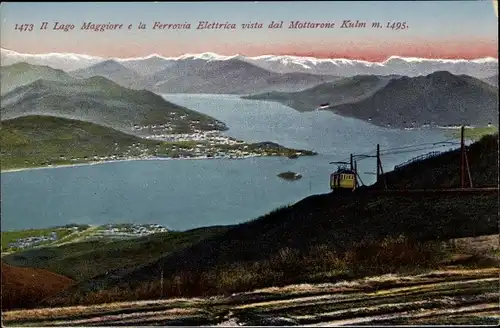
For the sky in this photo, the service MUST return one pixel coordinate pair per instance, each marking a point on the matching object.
(435, 29)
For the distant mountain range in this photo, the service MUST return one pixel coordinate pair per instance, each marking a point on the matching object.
(119, 93)
(101, 101)
(440, 98)
(191, 76)
(145, 66)
(232, 76)
(62, 61)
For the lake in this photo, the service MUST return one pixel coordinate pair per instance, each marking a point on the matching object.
(185, 194)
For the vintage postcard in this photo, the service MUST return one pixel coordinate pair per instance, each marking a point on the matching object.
(249, 163)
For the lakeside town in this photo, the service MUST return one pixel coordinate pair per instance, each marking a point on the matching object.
(196, 145)
(120, 231)
(32, 241)
(57, 235)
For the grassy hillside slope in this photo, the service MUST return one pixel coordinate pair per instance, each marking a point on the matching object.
(444, 171)
(33, 141)
(72, 260)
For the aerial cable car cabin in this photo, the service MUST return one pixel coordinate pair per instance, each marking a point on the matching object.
(344, 179)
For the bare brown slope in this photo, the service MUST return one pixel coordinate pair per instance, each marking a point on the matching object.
(24, 287)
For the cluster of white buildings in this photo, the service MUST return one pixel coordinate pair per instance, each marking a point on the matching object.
(107, 231)
(139, 153)
(208, 146)
(227, 154)
(128, 231)
(213, 137)
(200, 145)
(32, 241)
(193, 125)
(163, 127)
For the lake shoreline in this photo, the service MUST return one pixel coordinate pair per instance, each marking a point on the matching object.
(24, 169)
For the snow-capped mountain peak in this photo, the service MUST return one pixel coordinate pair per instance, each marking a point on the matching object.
(208, 56)
(64, 61)
(410, 66)
(447, 61)
(152, 56)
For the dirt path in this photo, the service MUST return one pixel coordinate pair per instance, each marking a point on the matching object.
(441, 297)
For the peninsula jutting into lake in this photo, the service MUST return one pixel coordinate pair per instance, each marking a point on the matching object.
(62, 145)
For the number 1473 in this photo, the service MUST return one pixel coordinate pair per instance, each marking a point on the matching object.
(24, 27)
